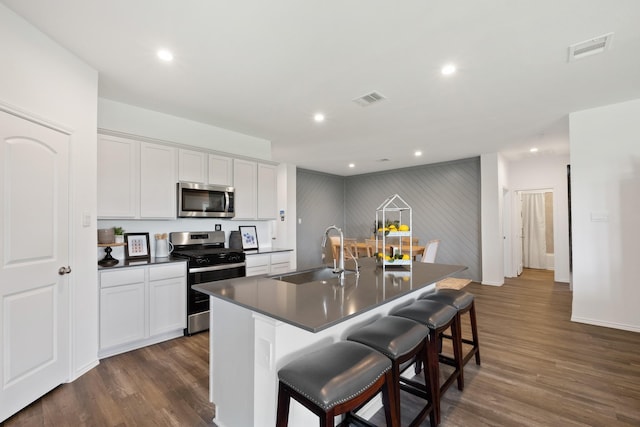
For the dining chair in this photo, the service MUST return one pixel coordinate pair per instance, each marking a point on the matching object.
(350, 248)
(371, 247)
(414, 241)
(430, 251)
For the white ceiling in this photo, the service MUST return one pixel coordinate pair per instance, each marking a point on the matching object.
(264, 68)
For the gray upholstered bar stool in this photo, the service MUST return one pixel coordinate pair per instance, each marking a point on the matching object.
(464, 302)
(438, 318)
(335, 380)
(402, 340)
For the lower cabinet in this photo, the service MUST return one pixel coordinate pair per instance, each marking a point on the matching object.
(141, 305)
(274, 263)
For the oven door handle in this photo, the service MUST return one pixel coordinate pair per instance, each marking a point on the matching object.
(217, 267)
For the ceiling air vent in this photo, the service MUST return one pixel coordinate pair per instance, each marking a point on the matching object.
(368, 99)
(590, 47)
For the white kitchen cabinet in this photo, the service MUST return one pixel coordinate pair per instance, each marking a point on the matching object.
(220, 170)
(136, 180)
(140, 306)
(274, 263)
(257, 264)
(118, 177)
(122, 307)
(256, 190)
(279, 262)
(245, 175)
(157, 181)
(192, 166)
(267, 191)
(167, 298)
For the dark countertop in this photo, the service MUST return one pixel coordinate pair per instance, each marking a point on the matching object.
(249, 252)
(139, 262)
(315, 306)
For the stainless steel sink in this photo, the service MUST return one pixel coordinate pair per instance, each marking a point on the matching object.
(307, 276)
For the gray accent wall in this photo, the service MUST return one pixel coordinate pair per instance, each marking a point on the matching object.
(444, 197)
(319, 204)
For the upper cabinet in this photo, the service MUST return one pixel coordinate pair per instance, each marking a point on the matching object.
(157, 181)
(136, 180)
(267, 191)
(245, 176)
(192, 166)
(118, 177)
(220, 170)
(203, 168)
(255, 190)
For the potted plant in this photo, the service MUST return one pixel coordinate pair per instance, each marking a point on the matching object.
(119, 234)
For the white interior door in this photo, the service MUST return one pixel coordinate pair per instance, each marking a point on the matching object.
(34, 222)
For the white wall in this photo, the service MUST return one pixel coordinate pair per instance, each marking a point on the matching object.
(542, 172)
(605, 187)
(493, 176)
(43, 79)
(132, 120)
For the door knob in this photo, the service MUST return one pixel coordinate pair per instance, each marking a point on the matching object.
(64, 270)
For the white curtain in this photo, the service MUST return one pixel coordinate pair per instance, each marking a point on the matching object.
(533, 231)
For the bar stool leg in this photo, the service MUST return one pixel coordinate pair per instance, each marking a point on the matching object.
(284, 399)
(474, 332)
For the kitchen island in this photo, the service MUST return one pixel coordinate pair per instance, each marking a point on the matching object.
(258, 324)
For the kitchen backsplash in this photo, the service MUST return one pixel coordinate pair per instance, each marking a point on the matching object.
(267, 230)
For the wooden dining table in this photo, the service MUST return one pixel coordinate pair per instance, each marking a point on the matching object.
(416, 250)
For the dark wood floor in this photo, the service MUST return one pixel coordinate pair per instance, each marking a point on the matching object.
(538, 369)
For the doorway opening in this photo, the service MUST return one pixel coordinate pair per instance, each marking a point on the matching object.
(536, 229)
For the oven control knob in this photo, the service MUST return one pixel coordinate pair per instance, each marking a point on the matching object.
(202, 260)
(234, 258)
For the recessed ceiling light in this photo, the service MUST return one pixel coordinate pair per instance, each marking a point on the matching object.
(533, 150)
(448, 69)
(352, 165)
(318, 117)
(165, 55)
(417, 153)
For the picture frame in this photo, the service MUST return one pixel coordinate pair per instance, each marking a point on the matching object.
(249, 236)
(137, 246)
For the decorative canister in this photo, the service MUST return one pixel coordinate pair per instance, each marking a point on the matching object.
(106, 235)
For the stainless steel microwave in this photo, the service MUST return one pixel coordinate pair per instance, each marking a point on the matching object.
(205, 201)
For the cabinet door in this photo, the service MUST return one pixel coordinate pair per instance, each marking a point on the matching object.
(122, 314)
(267, 191)
(192, 166)
(220, 170)
(157, 181)
(118, 163)
(245, 183)
(167, 305)
(257, 264)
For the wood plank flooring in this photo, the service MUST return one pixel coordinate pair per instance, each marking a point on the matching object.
(538, 369)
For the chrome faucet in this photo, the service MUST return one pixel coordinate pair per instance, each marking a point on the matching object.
(340, 268)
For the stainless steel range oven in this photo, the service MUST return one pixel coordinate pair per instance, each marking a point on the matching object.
(207, 261)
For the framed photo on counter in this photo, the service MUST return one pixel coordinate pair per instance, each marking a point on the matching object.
(249, 237)
(137, 246)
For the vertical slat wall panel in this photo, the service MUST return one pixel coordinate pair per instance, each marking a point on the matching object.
(445, 199)
(319, 204)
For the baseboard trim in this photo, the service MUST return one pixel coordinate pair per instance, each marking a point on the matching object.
(486, 282)
(83, 370)
(612, 325)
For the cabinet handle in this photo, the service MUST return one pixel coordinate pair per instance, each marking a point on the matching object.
(64, 270)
